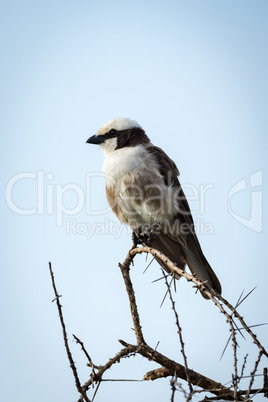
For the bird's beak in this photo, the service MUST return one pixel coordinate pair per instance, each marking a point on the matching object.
(95, 139)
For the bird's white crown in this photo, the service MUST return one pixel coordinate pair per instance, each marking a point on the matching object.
(119, 123)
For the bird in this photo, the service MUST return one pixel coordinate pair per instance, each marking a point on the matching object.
(144, 191)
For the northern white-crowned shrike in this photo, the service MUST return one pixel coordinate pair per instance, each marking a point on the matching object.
(144, 192)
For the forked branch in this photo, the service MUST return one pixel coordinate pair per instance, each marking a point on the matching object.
(168, 367)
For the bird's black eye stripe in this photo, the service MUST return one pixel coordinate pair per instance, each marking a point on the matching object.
(111, 134)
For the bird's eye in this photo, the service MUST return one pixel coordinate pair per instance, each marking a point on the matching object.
(112, 131)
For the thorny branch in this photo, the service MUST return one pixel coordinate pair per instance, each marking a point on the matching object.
(170, 367)
(180, 335)
(57, 297)
(200, 285)
(133, 306)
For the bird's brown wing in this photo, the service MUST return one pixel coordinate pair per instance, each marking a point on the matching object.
(180, 247)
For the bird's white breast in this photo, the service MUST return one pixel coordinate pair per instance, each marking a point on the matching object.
(123, 161)
(135, 187)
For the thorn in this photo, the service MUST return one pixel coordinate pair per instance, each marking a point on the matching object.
(246, 296)
(252, 326)
(237, 329)
(225, 347)
(174, 282)
(164, 299)
(168, 285)
(96, 391)
(56, 298)
(160, 279)
(148, 265)
(239, 298)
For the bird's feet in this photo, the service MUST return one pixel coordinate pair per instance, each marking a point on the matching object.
(145, 234)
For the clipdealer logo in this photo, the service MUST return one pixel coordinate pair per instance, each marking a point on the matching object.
(251, 189)
(50, 199)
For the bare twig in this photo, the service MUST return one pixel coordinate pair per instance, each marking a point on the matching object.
(239, 393)
(179, 333)
(132, 300)
(90, 362)
(243, 368)
(265, 381)
(170, 366)
(127, 351)
(235, 376)
(253, 375)
(68, 351)
(173, 388)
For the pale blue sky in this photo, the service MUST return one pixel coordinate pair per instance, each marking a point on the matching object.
(194, 75)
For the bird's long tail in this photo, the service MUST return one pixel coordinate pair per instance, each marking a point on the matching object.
(190, 254)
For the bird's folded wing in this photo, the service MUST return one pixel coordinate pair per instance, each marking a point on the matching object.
(182, 246)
